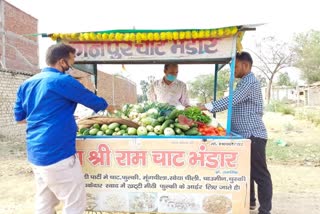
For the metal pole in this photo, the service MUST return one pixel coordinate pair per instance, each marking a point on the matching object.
(233, 60)
(113, 89)
(95, 74)
(215, 85)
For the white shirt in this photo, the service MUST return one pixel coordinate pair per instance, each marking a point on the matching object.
(174, 94)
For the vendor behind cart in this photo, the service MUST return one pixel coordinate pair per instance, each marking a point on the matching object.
(169, 89)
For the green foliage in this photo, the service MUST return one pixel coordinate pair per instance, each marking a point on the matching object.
(312, 115)
(203, 86)
(284, 80)
(196, 114)
(145, 85)
(277, 106)
(307, 49)
(292, 153)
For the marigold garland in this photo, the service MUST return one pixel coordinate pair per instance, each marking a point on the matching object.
(139, 37)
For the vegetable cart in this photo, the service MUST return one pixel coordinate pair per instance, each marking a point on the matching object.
(168, 171)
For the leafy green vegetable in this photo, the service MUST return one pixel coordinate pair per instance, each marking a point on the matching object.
(195, 114)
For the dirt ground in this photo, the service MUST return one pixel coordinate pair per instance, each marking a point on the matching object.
(296, 184)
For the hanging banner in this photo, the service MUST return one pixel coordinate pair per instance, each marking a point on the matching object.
(166, 175)
(154, 51)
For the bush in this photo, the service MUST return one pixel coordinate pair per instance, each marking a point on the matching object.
(312, 115)
(277, 106)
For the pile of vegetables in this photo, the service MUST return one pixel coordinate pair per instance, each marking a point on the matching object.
(155, 119)
(114, 129)
(211, 130)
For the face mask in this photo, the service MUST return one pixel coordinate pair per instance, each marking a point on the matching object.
(67, 69)
(171, 77)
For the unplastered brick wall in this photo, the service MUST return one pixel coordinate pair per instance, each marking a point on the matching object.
(116, 90)
(21, 50)
(9, 84)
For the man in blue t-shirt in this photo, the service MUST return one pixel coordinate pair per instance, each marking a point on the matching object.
(46, 102)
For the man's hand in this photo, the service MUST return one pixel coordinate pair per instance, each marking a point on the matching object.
(203, 108)
(22, 122)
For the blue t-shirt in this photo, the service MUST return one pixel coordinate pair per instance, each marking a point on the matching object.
(47, 101)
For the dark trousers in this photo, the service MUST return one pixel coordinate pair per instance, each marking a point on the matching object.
(260, 175)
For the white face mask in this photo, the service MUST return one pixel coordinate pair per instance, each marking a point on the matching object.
(69, 71)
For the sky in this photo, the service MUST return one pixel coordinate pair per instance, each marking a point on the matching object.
(282, 19)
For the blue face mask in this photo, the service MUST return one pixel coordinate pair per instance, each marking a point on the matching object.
(171, 77)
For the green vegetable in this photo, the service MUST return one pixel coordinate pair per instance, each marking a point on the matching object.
(182, 127)
(108, 132)
(157, 129)
(174, 114)
(195, 114)
(192, 131)
(82, 130)
(155, 123)
(177, 130)
(165, 125)
(171, 126)
(86, 132)
(161, 119)
(100, 133)
(104, 127)
(123, 127)
(169, 132)
(113, 126)
(96, 126)
(142, 130)
(150, 128)
(153, 111)
(132, 131)
(93, 131)
(148, 121)
(117, 129)
(176, 120)
(121, 132)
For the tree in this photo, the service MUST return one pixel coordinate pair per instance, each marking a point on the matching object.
(271, 57)
(284, 80)
(203, 86)
(145, 85)
(307, 58)
(262, 79)
(144, 88)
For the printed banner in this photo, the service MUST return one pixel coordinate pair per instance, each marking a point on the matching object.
(154, 51)
(166, 175)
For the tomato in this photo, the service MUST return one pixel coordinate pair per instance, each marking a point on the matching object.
(222, 133)
(220, 128)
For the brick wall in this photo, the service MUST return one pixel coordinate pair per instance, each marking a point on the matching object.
(116, 90)
(125, 91)
(9, 83)
(21, 51)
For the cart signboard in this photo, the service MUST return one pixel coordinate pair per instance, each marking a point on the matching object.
(216, 48)
(166, 175)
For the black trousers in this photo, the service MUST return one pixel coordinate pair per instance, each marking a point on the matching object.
(260, 175)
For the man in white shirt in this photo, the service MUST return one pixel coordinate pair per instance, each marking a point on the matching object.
(169, 89)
